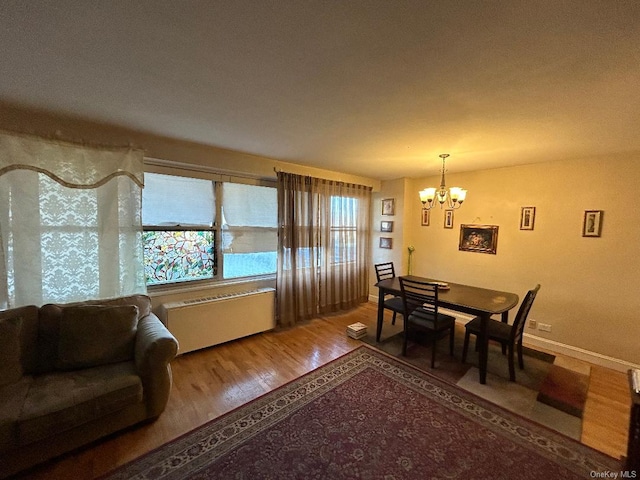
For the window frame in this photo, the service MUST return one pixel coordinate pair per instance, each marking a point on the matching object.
(218, 180)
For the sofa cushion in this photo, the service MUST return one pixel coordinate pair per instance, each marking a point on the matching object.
(96, 335)
(12, 398)
(50, 316)
(10, 365)
(63, 400)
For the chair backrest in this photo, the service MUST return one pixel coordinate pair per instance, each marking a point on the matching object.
(523, 312)
(417, 294)
(384, 271)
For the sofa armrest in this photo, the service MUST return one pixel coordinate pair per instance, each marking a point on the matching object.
(155, 348)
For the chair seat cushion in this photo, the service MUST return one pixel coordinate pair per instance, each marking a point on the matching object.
(496, 330)
(424, 319)
(61, 401)
(395, 304)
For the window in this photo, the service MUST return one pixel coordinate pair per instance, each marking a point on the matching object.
(342, 240)
(178, 216)
(323, 245)
(184, 242)
(344, 211)
(249, 230)
(69, 222)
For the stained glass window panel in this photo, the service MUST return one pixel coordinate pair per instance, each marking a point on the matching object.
(178, 256)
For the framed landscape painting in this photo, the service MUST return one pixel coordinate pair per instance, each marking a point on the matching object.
(479, 238)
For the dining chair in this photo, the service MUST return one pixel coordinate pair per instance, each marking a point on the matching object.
(508, 335)
(383, 272)
(420, 301)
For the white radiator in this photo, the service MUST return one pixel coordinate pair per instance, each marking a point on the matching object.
(204, 322)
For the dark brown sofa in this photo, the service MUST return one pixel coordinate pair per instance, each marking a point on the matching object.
(70, 374)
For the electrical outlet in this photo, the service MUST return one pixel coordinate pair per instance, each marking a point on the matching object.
(533, 323)
(544, 327)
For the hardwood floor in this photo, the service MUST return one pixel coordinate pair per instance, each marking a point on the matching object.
(214, 381)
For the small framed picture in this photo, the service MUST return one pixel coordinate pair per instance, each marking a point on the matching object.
(426, 216)
(388, 206)
(385, 242)
(386, 226)
(527, 218)
(448, 219)
(592, 223)
(479, 238)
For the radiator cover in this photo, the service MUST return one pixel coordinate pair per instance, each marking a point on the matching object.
(204, 322)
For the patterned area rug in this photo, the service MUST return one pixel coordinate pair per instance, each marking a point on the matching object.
(368, 415)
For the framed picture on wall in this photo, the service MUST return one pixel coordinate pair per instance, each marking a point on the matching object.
(386, 226)
(479, 238)
(527, 218)
(385, 242)
(426, 217)
(592, 223)
(448, 219)
(388, 206)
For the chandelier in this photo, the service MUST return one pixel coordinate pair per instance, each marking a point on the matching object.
(453, 197)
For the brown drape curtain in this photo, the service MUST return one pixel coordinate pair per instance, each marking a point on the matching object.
(323, 246)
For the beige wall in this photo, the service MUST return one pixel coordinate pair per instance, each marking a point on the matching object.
(390, 190)
(590, 293)
(401, 191)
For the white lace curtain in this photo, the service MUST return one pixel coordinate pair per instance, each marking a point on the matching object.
(70, 221)
(323, 246)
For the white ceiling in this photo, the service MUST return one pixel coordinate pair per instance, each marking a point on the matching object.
(370, 87)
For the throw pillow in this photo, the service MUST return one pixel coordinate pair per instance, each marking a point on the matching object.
(92, 335)
(10, 365)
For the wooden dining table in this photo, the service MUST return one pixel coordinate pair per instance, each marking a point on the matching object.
(468, 299)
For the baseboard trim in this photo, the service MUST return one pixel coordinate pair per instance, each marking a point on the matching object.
(579, 353)
(554, 347)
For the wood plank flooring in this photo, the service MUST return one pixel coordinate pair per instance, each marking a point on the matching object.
(214, 381)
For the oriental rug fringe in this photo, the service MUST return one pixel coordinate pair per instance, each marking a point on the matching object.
(368, 415)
